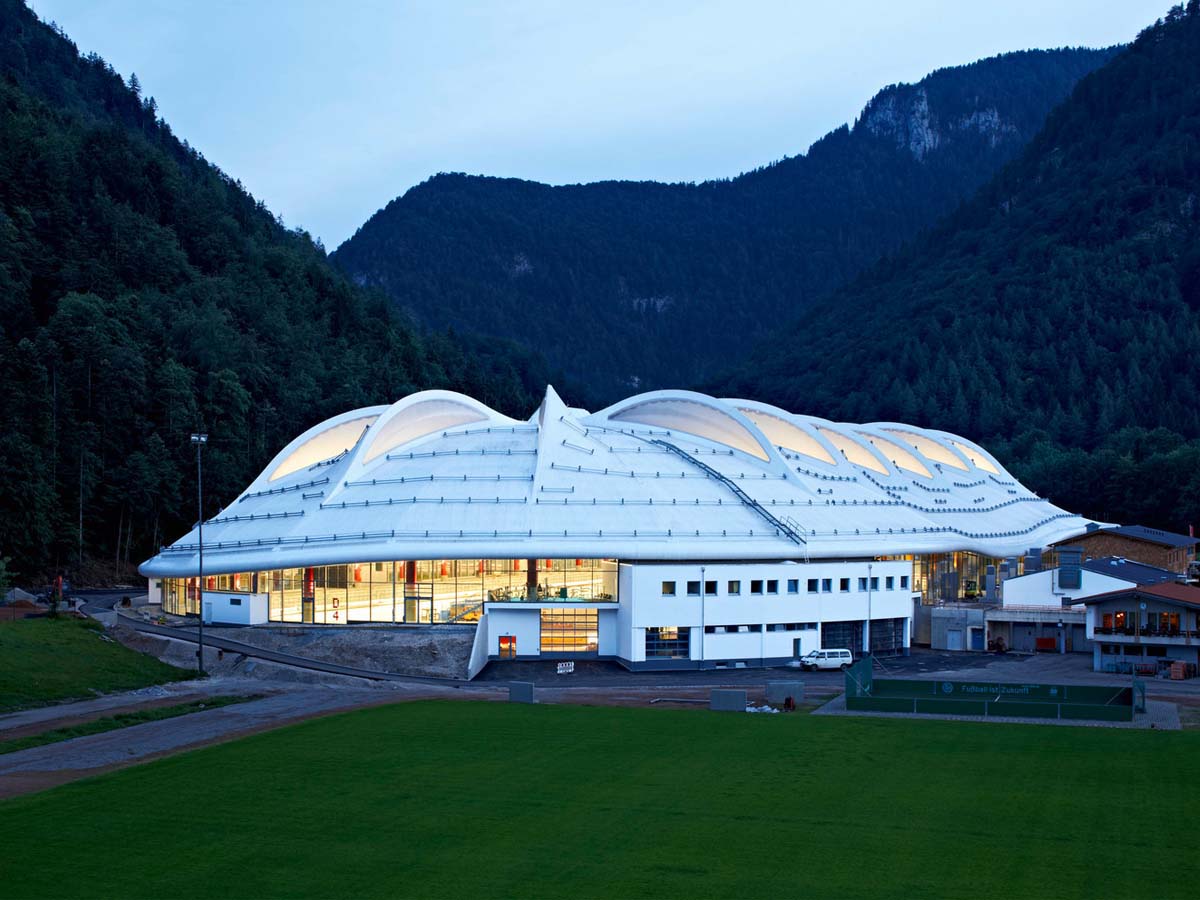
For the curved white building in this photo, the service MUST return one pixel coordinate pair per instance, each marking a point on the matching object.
(437, 508)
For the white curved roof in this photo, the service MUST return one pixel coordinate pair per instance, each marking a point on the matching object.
(662, 475)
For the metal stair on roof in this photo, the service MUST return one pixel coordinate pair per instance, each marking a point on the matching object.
(789, 527)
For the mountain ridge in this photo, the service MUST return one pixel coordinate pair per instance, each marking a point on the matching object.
(1056, 314)
(629, 274)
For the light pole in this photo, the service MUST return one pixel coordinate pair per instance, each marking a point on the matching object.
(200, 440)
(870, 566)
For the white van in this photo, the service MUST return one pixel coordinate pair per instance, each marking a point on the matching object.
(826, 659)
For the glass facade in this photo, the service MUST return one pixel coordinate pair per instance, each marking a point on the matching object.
(668, 643)
(428, 591)
(948, 577)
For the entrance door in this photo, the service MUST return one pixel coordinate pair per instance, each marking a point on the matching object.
(954, 639)
(307, 606)
(976, 638)
(508, 646)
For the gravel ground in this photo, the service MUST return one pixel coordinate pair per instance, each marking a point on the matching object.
(41, 767)
(441, 651)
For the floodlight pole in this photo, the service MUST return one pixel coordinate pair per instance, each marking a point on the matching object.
(200, 440)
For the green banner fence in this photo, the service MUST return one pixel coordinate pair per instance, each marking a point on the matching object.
(1111, 703)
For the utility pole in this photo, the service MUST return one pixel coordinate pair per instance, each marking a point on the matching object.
(200, 440)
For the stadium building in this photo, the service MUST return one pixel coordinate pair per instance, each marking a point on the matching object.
(669, 530)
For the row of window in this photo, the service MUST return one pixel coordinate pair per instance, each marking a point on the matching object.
(825, 585)
(757, 629)
(760, 586)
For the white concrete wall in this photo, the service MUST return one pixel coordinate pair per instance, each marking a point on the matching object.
(1041, 588)
(234, 609)
(524, 623)
(479, 648)
(607, 621)
(154, 591)
(644, 605)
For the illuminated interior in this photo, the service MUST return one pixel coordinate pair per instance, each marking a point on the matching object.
(428, 591)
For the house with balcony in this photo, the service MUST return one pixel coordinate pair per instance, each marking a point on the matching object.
(1145, 628)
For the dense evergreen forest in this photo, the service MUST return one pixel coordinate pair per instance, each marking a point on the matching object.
(1056, 316)
(144, 295)
(638, 285)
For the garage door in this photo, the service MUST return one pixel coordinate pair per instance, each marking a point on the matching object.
(842, 636)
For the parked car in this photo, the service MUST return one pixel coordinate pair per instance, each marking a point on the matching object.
(826, 659)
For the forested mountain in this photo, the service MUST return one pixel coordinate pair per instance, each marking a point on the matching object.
(636, 285)
(1056, 316)
(145, 295)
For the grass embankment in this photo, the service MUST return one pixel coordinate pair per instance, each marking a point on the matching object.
(121, 720)
(490, 799)
(46, 661)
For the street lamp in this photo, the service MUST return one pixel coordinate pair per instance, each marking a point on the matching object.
(200, 440)
(870, 567)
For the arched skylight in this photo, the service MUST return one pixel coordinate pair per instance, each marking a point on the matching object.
(930, 448)
(978, 460)
(900, 457)
(420, 419)
(323, 445)
(700, 419)
(783, 433)
(853, 450)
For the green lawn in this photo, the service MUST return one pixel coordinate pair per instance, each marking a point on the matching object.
(49, 660)
(457, 799)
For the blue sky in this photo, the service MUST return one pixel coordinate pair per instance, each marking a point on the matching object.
(326, 111)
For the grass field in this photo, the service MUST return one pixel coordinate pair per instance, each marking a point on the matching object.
(456, 799)
(49, 660)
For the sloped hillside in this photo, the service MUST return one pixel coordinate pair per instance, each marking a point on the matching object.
(636, 285)
(1057, 313)
(143, 295)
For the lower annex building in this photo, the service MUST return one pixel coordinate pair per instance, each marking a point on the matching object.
(669, 530)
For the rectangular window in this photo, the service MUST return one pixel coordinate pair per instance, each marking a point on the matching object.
(735, 588)
(693, 589)
(904, 582)
(862, 584)
(794, 586)
(812, 585)
(235, 601)
(844, 584)
(756, 586)
(826, 585)
(773, 586)
(668, 643)
(710, 588)
(668, 589)
(874, 584)
(890, 582)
